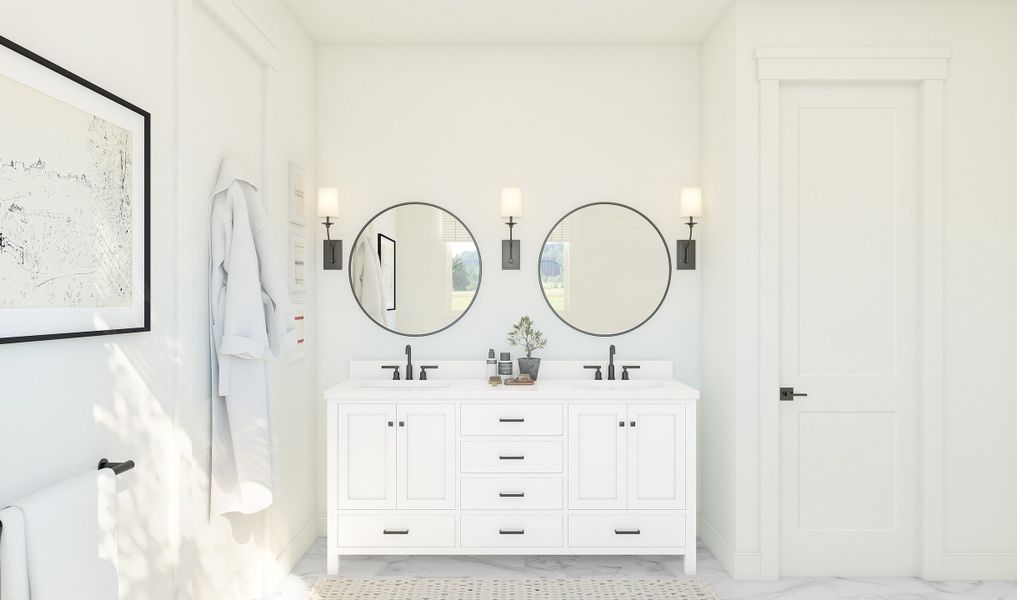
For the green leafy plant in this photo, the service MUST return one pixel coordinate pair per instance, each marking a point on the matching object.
(523, 334)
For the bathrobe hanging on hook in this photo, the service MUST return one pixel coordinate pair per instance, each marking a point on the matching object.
(251, 323)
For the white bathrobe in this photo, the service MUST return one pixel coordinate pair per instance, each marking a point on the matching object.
(365, 273)
(251, 323)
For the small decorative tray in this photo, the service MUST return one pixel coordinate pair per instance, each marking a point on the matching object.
(521, 380)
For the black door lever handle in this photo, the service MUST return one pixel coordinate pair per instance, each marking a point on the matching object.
(788, 394)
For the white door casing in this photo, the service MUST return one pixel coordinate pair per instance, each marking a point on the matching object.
(928, 68)
(426, 456)
(848, 328)
(596, 456)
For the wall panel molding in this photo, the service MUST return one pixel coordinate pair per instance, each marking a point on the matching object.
(243, 25)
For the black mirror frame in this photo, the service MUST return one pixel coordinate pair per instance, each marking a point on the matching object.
(667, 252)
(356, 240)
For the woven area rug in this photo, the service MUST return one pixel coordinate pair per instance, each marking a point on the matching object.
(684, 588)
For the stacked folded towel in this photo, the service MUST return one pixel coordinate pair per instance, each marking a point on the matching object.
(61, 543)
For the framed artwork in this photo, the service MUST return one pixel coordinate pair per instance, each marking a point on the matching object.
(74, 204)
(297, 197)
(387, 258)
(297, 267)
(300, 321)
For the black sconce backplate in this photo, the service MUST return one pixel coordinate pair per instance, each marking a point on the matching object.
(681, 263)
(326, 255)
(510, 248)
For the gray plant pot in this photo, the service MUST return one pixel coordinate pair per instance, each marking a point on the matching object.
(529, 366)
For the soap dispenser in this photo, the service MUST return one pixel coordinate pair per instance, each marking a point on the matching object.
(492, 364)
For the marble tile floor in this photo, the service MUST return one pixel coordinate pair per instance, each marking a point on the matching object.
(312, 567)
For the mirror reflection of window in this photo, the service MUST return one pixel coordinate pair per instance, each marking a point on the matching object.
(554, 266)
(464, 275)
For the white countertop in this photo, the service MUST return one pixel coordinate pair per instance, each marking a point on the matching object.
(478, 390)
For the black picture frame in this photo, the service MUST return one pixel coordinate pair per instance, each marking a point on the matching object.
(144, 306)
(384, 243)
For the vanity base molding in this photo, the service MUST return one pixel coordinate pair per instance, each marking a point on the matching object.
(469, 477)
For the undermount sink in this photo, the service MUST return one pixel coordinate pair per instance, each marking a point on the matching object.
(618, 384)
(403, 385)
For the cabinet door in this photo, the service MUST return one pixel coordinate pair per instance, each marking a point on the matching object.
(367, 456)
(656, 456)
(597, 455)
(426, 434)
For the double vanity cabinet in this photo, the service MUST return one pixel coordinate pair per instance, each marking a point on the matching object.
(562, 467)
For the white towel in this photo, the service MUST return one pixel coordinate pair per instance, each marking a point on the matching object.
(13, 555)
(70, 541)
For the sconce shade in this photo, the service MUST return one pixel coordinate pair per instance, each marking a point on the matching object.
(328, 202)
(511, 203)
(692, 202)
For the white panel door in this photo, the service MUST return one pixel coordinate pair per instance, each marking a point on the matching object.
(367, 456)
(848, 332)
(596, 461)
(426, 466)
(656, 456)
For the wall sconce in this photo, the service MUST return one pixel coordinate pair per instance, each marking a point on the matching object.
(511, 209)
(332, 250)
(691, 207)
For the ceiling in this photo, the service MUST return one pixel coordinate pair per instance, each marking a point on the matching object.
(508, 21)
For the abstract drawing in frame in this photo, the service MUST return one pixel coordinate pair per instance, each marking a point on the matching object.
(74, 204)
(299, 351)
(297, 195)
(297, 264)
(387, 258)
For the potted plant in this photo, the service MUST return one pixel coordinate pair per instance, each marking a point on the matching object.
(523, 334)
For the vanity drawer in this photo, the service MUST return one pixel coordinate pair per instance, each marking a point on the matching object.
(512, 419)
(511, 457)
(394, 531)
(512, 531)
(511, 493)
(627, 530)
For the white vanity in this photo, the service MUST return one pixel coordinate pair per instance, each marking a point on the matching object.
(456, 466)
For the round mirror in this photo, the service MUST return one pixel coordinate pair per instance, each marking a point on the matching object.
(415, 269)
(605, 269)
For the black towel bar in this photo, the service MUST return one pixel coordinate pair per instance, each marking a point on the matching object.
(118, 467)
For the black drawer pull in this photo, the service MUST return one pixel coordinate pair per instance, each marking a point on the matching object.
(511, 494)
(511, 420)
(512, 457)
(511, 531)
(396, 531)
(626, 532)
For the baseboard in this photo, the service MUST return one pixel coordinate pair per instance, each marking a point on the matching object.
(290, 555)
(982, 566)
(739, 565)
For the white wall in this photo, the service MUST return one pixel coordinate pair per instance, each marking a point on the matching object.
(247, 91)
(452, 125)
(146, 396)
(67, 403)
(980, 525)
(718, 418)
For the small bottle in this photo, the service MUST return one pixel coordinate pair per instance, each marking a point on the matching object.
(492, 364)
(505, 365)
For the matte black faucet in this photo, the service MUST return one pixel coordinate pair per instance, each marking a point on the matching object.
(409, 362)
(610, 364)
